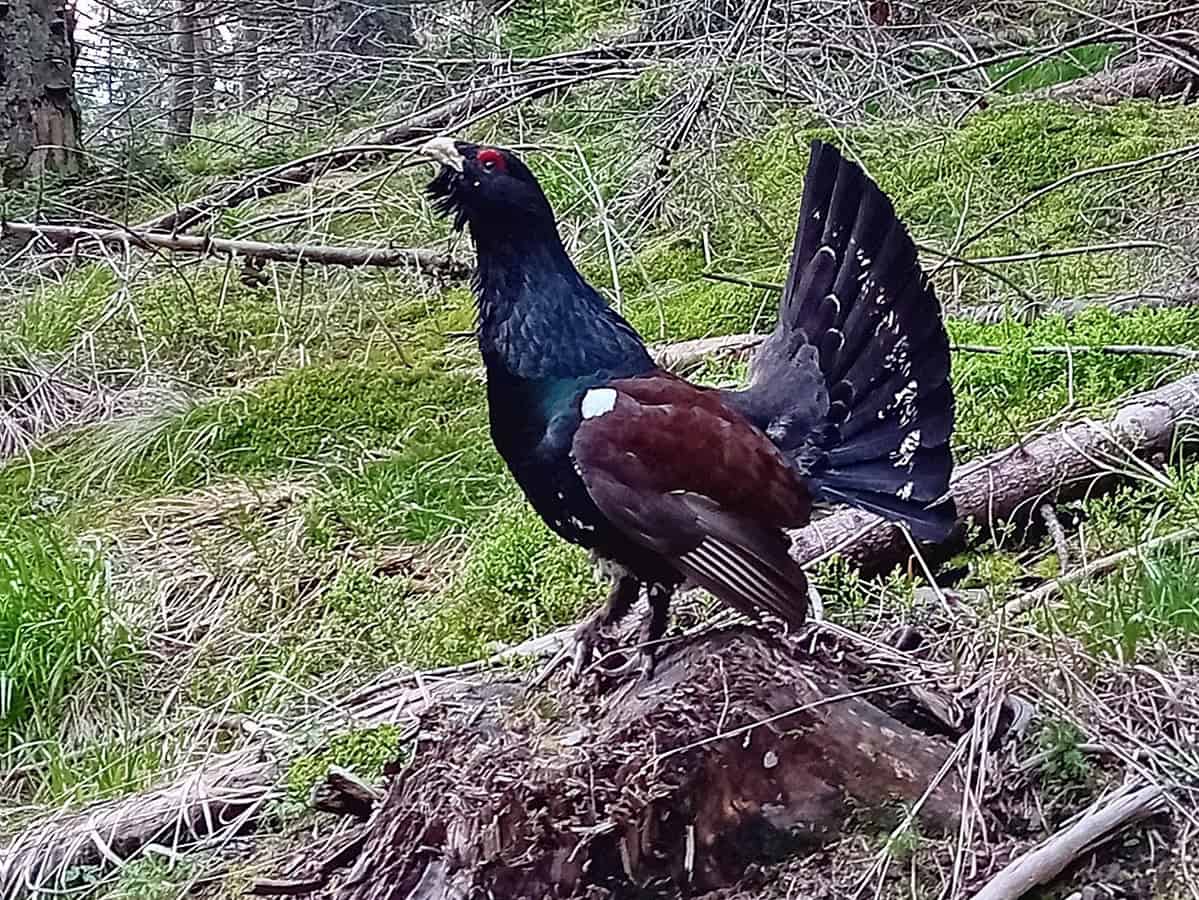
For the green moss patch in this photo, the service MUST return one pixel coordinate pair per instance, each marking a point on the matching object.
(518, 580)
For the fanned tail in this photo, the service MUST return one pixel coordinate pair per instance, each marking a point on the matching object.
(854, 381)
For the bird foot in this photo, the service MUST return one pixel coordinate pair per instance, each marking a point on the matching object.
(642, 663)
(587, 637)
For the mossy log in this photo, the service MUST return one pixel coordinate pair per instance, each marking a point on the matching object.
(743, 747)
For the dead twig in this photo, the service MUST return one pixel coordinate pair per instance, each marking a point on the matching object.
(1034, 598)
(68, 236)
(1060, 544)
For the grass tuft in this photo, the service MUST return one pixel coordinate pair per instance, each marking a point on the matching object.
(55, 628)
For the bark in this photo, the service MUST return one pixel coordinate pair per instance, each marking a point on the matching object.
(39, 117)
(183, 73)
(741, 748)
(1009, 486)
(205, 81)
(248, 40)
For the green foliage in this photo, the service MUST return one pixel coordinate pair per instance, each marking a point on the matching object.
(443, 481)
(152, 878)
(538, 27)
(55, 315)
(999, 396)
(1063, 762)
(365, 752)
(332, 414)
(107, 765)
(1084, 60)
(906, 842)
(1152, 603)
(54, 625)
(518, 580)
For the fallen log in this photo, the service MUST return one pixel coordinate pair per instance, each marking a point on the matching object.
(1153, 78)
(66, 236)
(741, 748)
(223, 797)
(1010, 485)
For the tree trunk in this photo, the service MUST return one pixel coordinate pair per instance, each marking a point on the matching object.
(39, 117)
(247, 56)
(741, 748)
(205, 82)
(183, 73)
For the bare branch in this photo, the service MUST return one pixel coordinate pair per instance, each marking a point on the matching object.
(67, 236)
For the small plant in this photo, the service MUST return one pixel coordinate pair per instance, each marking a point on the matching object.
(904, 843)
(1063, 761)
(364, 752)
(152, 878)
(1152, 602)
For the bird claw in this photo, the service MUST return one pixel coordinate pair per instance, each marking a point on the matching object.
(586, 637)
(641, 663)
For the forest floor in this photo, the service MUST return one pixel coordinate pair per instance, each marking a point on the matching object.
(231, 498)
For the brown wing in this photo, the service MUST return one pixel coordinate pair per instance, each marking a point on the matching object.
(682, 474)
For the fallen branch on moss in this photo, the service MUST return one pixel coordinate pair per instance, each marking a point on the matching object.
(1153, 78)
(1101, 822)
(64, 237)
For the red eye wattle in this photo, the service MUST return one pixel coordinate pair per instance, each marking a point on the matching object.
(491, 159)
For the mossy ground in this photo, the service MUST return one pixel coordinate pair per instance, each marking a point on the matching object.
(353, 383)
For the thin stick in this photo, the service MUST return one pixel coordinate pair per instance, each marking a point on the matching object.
(1029, 600)
(1060, 544)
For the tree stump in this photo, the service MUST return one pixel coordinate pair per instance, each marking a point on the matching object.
(742, 748)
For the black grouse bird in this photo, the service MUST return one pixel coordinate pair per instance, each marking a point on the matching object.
(667, 482)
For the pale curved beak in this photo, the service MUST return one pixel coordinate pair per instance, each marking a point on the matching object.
(442, 150)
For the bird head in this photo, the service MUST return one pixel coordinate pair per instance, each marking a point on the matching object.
(489, 189)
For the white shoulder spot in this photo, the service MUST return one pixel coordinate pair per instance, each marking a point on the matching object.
(598, 401)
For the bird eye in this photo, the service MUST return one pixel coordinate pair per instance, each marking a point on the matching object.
(490, 159)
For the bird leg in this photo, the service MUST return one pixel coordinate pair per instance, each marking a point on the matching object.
(653, 626)
(621, 598)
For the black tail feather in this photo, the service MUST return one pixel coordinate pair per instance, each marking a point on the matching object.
(854, 381)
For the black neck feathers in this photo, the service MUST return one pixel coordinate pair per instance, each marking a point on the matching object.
(539, 319)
